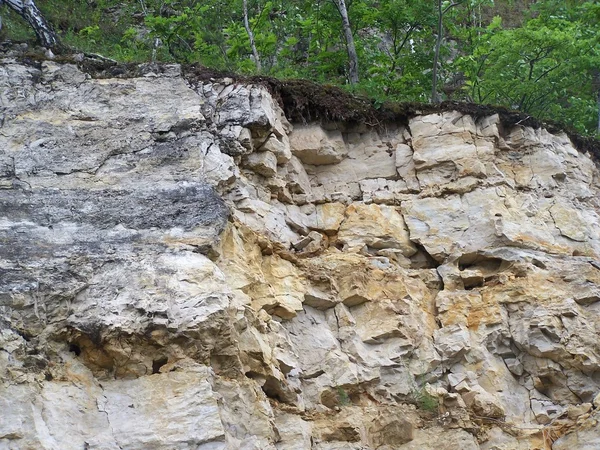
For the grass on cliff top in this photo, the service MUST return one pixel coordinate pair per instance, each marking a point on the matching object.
(306, 101)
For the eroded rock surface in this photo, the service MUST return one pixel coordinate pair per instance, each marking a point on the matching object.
(181, 267)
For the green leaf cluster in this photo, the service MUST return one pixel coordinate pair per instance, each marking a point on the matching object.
(545, 68)
(542, 57)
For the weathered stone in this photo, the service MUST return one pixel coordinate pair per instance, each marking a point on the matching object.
(498, 439)
(544, 410)
(279, 146)
(376, 322)
(173, 277)
(448, 141)
(282, 291)
(240, 134)
(569, 222)
(329, 217)
(130, 409)
(597, 401)
(295, 433)
(359, 287)
(574, 411)
(263, 163)
(405, 166)
(436, 439)
(514, 365)
(483, 404)
(312, 145)
(377, 226)
(319, 299)
(361, 163)
(390, 431)
(587, 438)
(295, 175)
(452, 342)
(245, 414)
(383, 191)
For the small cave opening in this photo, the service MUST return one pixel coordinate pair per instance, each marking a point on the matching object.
(74, 348)
(271, 391)
(422, 259)
(471, 283)
(26, 336)
(253, 375)
(158, 363)
(488, 264)
(276, 389)
(544, 385)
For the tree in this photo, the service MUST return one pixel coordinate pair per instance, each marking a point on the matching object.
(597, 90)
(589, 14)
(251, 37)
(442, 10)
(401, 21)
(28, 10)
(352, 56)
(396, 48)
(543, 68)
(541, 56)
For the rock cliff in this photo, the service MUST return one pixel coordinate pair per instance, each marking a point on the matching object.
(183, 268)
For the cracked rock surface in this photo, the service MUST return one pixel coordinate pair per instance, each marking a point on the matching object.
(183, 268)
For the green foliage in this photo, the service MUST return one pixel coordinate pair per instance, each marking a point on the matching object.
(14, 28)
(398, 67)
(542, 57)
(425, 400)
(543, 68)
(343, 398)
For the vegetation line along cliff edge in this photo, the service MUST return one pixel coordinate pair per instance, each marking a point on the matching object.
(539, 57)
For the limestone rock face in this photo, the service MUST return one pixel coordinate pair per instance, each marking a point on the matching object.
(313, 145)
(181, 267)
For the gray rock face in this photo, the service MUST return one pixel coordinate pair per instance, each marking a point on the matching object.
(180, 267)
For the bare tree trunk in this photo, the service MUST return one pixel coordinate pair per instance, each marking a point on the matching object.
(435, 98)
(436, 57)
(596, 87)
(42, 29)
(598, 105)
(352, 56)
(251, 36)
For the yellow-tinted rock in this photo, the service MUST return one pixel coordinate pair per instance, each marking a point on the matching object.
(376, 226)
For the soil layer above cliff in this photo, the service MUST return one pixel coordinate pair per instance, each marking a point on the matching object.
(305, 101)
